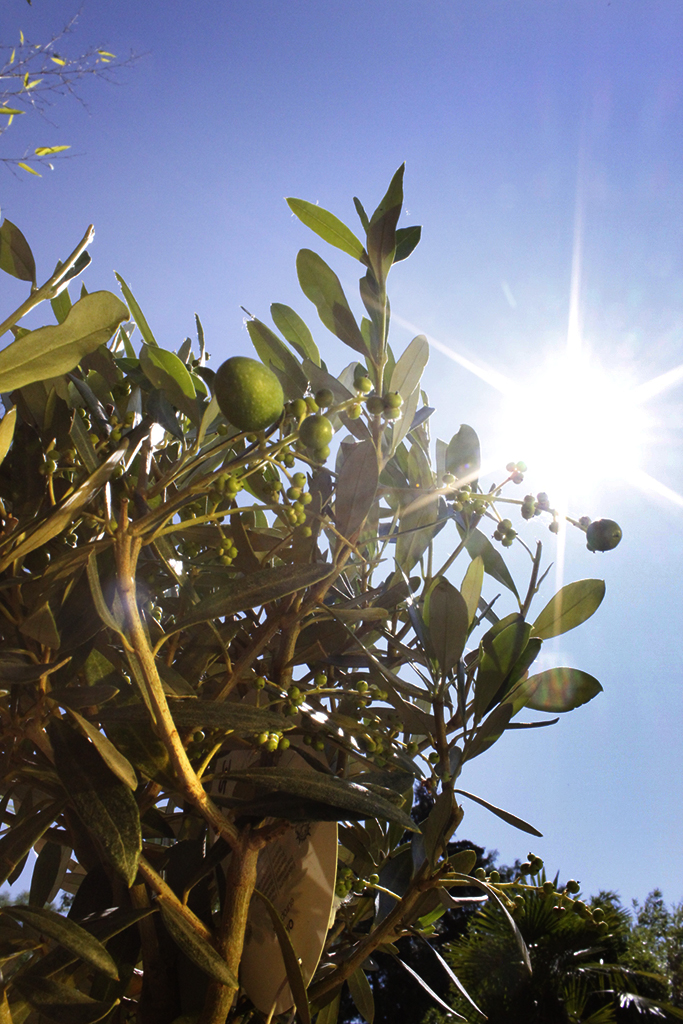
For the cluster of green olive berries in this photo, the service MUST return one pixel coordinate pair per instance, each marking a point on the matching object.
(388, 406)
(272, 741)
(348, 882)
(228, 551)
(505, 533)
(516, 471)
(464, 499)
(533, 506)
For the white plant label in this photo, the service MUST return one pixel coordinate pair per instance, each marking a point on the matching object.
(297, 872)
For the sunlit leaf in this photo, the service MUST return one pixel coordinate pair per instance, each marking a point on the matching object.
(329, 227)
(511, 819)
(471, 586)
(53, 350)
(321, 285)
(16, 257)
(559, 689)
(291, 326)
(463, 456)
(49, 150)
(409, 369)
(136, 312)
(570, 606)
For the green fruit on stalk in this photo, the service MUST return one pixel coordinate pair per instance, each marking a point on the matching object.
(603, 535)
(248, 393)
(316, 431)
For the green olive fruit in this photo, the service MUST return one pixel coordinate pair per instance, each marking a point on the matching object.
(249, 394)
(324, 398)
(603, 535)
(393, 400)
(316, 431)
(375, 405)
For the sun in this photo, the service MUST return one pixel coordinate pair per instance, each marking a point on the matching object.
(575, 423)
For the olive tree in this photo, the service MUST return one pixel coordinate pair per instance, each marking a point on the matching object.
(229, 654)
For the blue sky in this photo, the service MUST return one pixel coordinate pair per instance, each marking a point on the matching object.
(512, 115)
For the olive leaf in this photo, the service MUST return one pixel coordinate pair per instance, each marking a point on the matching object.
(53, 350)
(61, 1003)
(104, 804)
(292, 967)
(329, 227)
(195, 945)
(321, 285)
(68, 934)
(570, 606)
(256, 589)
(349, 799)
(356, 488)
(291, 326)
(16, 258)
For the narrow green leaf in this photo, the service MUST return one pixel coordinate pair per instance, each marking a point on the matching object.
(195, 946)
(361, 993)
(231, 716)
(497, 657)
(254, 590)
(68, 934)
(41, 627)
(61, 303)
(101, 605)
(362, 215)
(329, 227)
(471, 586)
(492, 894)
(570, 606)
(430, 992)
(7, 431)
(490, 730)
(294, 976)
(274, 354)
(104, 804)
(478, 545)
(23, 835)
(136, 312)
(356, 488)
(112, 757)
(447, 618)
(511, 819)
(463, 457)
(17, 673)
(45, 874)
(356, 800)
(559, 689)
(50, 150)
(154, 358)
(406, 241)
(291, 326)
(410, 367)
(16, 258)
(321, 285)
(62, 1004)
(382, 228)
(53, 350)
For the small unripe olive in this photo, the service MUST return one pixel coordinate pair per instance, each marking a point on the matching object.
(298, 408)
(375, 405)
(324, 398)
(363, 384)
(393, 400)
(480, 873)
(316, 431)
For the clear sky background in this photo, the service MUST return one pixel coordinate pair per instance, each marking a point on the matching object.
(518, 120)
